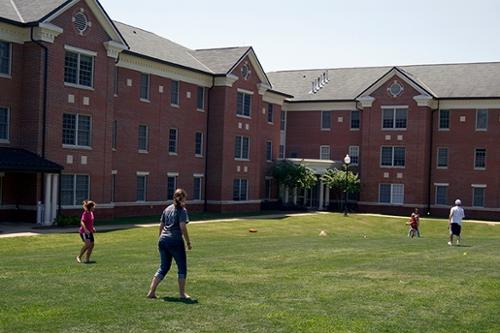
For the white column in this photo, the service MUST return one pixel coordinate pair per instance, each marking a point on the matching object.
(286, 194)
(321, 195)
(327, 197)
(295, 196)
(48, 192)
(55, 192)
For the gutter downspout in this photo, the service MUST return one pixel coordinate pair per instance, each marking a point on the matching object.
(205, 201)
(429, 181)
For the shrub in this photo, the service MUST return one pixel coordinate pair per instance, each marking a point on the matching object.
(64, 220)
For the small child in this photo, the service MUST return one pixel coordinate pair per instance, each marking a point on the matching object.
(414, 224)
(87, 230)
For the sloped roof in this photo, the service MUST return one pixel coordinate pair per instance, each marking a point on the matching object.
(221, 60)
(23, 160)
(27, 11)
(473, 80)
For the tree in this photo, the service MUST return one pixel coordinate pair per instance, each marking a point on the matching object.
(336, 179)
(293, 175)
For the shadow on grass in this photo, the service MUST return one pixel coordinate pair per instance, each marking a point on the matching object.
(180, 300)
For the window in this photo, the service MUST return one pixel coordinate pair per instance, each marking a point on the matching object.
(78, 69)
(268, 187)
(442, 157)
(326, 117)
(174, 93)
(444, 119)
(74, 189)
(282, 121)
(115, 81)
(197, 193)
(241, 147)
(480, 159)
(324, 152)
(478, 194)
(113, 187)
(171, 186)
(172, 141)
(441, 194)
(4, 124)
(142, 184)
(392, 156)
(391, 193)
(270, 113)
(76, 130)
(269, 151)
(355, 119)
(114, 134)
(394, 118)
(240, 189)
(354, 154)
(144, 93)
(200, 98)
(481, 120)
(282, 152)
(143, 138)
(198, 145)
(5, 50)
(244, 104)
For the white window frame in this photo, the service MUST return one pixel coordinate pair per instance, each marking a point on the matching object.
(354, 154)
(77, 145)
(270, 112)
(174, 176)
(394, 109)
(198, 89)
(447, 158)
(478, 186)
(393, 156)
(440, 185)
(269, 144)
(176, 141)
(201, 144)
(244, 92)
(177, 92)
(80, 52)
(282, 152)
(329, 128)
(475, 159)
(392, 199)
(142, 150)
(477, 118)
(323, 154)
(9, 74)
(7, 136)
(239, 189)
(268, 194)
(241, 158)
(74, 175)
(145, 176)
(282, 121)
(439, 120)
(359, 120)
(198, 177)
(148, 88)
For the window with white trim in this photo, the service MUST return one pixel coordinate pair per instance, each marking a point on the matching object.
(480, 158)
(113, 187)
(198, 144)
(144, 87)
(115, 80)
(240, 189)
(391, 193)
(172, 141)
(324, 152)
(4, 124)
(269, 151)
(282, 120)
(282, 152)
(5, 57)
(174, 93)
(442, 157)
(243, 104)
(78, 69)
(242, 147)
(200, 98)
(441, 194)
(197, 189)
(268, 188)
(171, 186)
(76, 130)
(142, 187)
(394, 118)
(270, 113)
(481, 120)
(114, 134)
(143, 138)
(444, 119)
(392, 156)
(326, 120)
(354, 154)
(74, 189)
(478, 196)
(355, 119)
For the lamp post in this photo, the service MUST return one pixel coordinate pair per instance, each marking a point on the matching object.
(347, 161)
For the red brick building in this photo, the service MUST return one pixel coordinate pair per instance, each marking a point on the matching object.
(92, 108)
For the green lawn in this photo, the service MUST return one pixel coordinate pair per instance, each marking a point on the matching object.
(364, 276)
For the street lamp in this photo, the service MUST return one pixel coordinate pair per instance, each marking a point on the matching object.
(347, 161)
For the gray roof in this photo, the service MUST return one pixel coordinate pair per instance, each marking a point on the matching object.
(221, 60)
(474, 80)
(27, 11)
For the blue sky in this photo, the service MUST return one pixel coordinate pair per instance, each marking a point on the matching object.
(327, 33)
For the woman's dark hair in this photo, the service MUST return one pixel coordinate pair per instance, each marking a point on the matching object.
(88, 204)
(179, 196)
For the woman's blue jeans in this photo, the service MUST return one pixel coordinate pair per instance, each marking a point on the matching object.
(171, 248)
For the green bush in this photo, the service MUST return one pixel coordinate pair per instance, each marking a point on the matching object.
(64, 220)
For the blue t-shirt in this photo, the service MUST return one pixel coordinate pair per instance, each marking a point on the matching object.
(171, 217)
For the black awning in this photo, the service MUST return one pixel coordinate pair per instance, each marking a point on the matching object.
(22, 160)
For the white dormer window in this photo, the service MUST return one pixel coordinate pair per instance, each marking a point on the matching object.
(245, 71)
(395, 89)
(81, 22)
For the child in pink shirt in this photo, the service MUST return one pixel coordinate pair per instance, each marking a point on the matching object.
(87, 230)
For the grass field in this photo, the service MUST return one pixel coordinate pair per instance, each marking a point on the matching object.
(364, 276)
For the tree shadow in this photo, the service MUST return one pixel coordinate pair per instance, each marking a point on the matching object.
(180, 300)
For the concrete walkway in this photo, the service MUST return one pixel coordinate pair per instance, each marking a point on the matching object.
(27, 229)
